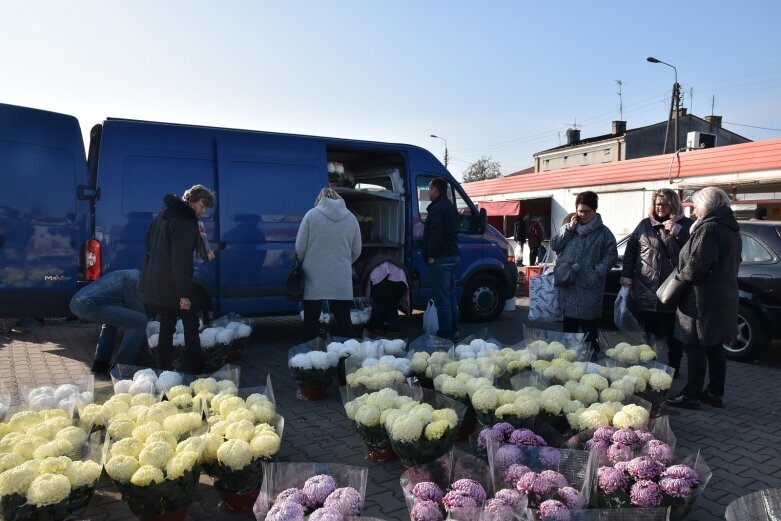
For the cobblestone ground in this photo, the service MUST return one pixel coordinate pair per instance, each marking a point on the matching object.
(741, 442)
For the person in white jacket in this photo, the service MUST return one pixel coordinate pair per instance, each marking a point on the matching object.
(327, 244)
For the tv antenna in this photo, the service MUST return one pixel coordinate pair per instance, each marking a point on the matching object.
(620, 100)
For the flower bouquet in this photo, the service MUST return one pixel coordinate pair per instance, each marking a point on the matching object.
(458, 379)
(424, 364)
(505, 433)
(360, 313)
(78, 391)
(345, 348)
(244, 433)
(49, 467)
(365, 375)
(610, 445)
(236, 342)
(323, 491)
(421, 432)
(547, 344)
(519, 408)
(629, 348)
(313, 369)
(5, 401)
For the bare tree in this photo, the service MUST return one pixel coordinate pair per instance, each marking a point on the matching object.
(482, 169)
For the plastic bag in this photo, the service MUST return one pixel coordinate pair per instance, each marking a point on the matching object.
(622, 317)
(544, 298)
(430, 319)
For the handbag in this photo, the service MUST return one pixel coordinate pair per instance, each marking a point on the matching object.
(563, 274)
(544, 298)
(671, 290)
(294, 287)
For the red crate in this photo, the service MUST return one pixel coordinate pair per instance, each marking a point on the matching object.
(530, 271)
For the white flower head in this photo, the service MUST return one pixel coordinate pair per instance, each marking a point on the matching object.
(301, 361)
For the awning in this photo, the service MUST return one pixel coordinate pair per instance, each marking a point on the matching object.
(499, 208)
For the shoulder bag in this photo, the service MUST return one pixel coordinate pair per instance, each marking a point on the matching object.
(671, 290)
(294, 287)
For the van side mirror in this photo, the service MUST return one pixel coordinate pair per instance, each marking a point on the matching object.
(483, 222)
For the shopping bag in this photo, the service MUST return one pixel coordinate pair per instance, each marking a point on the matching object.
(430, 319)
(622, 317)
(294, 286)
(544, 298)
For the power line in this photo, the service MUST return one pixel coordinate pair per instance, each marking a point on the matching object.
(753, 126)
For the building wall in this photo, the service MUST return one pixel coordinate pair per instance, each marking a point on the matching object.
(649, 141)
(597, 153)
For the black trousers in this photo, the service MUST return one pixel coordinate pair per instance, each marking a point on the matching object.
(590, 327)
(193, 356)
(341, 310)
(701, 359)
(385, 303)
(663, 323)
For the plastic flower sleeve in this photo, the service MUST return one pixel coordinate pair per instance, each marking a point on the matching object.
(539, 342)
(431, 344)
(764, 505)
(312, 368)
(366, 373)
(279, 477)
(5, 401)
(67, 394)
(630, 348)
(134, 380)
(360, 312)
(612, 514)
(681, 507)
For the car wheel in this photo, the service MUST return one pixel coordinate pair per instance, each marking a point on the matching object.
(751, 339)
(482, 300)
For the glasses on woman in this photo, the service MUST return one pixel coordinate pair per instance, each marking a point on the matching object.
(662, 205)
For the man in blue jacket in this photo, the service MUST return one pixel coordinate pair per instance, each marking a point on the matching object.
(114, 301)
(440, 249)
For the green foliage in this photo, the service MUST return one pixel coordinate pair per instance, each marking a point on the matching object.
(482, 169)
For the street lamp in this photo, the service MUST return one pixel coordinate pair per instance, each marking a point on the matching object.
(674, 101)
(445, 140)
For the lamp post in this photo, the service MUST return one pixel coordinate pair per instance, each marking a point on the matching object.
(674, 101)
(445, 140)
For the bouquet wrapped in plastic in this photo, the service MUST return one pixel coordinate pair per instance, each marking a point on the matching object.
(49, 467)
(225, 338)
(630, 348)
(459, 379)
(424, 364)
(75, 391)
(547, 344)
(323, 491)
(5, 401)
(313, 368)
(610, 445)
(764, 505)
(653, 380)
(372, 373)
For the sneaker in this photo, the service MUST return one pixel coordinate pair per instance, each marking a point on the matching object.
(684, 402)
(100, 367)
(712, 399)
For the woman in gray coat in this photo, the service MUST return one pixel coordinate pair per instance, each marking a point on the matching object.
(651, 255)
(708, 308)
(328, 242)
(589, 248)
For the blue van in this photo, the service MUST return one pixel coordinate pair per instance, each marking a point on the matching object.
(66, 219)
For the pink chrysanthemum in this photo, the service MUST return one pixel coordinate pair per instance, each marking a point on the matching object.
(572, 498)
(554, 478)
(326, 514)
(625, 437)
(514, 473)
(644, 468)
(292, 494)
(604, 434)
(611, 480)
(346, 500)
(619, 452)
(488, 436)
(317, 488)
(460, 502)
(675, 487)
(644, 436)
(507, 455)
(471, 487)
(646, 494)
(658, 450)
(683, 472)
(532, 483)
(426, 511)
(496, 510)
(552, 510)
(526, 437)
(598, 447)
(286, 511)
(549, 456)
(509, 497)
(427, 490)
(504, 428)
(621, 465)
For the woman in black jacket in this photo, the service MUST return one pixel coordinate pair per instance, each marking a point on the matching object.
(166, 277)
(651, 255)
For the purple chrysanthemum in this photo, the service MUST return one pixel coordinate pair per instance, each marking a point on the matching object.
(471, 487)
(488, 436)
(598, 447)
(286, 511)
(554, 478)
(621, 465)
(326, 514)
(625, 437)
(317, 488)
(549, 456)
(511, 498)
(619, 452)
(552, 510)
(611, 480)
(504, 428)
(346, 500)
(644, 436)
(604, 434)
(514, 473)
(658, 450)
(426, 511)
(644, 468)
(675, 487)
(646, 494)
(683, 472)
(496, 510)
(534, 484)
(525, 437)
(572, 498)
(292, 494)
(507, 455)
(427, 490)
(459, 501)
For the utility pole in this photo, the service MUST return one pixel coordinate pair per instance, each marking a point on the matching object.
(445, 140)
(620, 101)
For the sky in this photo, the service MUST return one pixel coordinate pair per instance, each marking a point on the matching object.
(498, 79)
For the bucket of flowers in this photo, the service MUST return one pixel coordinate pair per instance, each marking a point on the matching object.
(424, 363)
(346, 348)
(50, 466)
(76, 391)
(457, 378)
(236, 341)
(323, 491)
(455, 486)
(313, 369)
(632, 413)
(505, 434)
(653, 381)
(366, 375)
(360, 313)
(610, 445)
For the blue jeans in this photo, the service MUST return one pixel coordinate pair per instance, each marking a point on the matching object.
(113, 316)
(443, 287)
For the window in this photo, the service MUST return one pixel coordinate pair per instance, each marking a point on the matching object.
(753, 250)
(465, 214)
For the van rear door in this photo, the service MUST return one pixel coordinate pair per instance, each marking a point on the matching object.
(45, 216)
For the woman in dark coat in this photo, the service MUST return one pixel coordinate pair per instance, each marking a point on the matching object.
(708, 309)
(651, 255)
(166, 277)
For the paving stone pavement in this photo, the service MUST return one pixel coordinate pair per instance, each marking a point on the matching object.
(741, 442)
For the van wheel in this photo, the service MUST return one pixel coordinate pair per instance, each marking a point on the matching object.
(482, 300)
(752, 338)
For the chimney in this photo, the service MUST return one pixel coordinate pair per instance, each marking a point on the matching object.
(713, 121)
(681, 113)
(619, 128)
(573, 136)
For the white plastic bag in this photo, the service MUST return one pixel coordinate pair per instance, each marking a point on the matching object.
(544, 298)
(430, 319)
(622, 317)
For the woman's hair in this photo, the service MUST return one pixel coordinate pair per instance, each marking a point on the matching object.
(710, 198)
(199, 193)
(672, 199)
(588, 198)
(327, 193)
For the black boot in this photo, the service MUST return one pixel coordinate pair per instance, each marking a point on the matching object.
(684, 402)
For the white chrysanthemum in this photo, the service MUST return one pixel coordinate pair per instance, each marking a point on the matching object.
(639, 371)
(227, 387)
(156, 454)
(121, 468)
(145, 399)
(92, 413)
(572, 406)
(66, 391)
(660, 380)
(625, 384)
(9, 461)
(394, 347)
(142, 385)
(423, 411)
(264, 412)
(265, 445)
(235, 454)
(42, 402)
(142, 432)
(146, 475)
(368, 415)
(204, 385)
(183, 401)
(593, 419)
(229, 404)
(242, 414)
(162, 436)
(631, 417)
(178, 390)
(121, 427)
(153, 340)
(406, 429)
(240, 430)
(485, 399)
(58, 447)
(301, 361)
(226, 336)
(209, 337)
(182, 423)
(454, 388)
(48, 489)
(191, 444)
(243, 331)
(127, 447)
(612, 395)
(321, 361)
(167, 380)
(596, 381)
(351, 408)
(211, 443)
(180, 463)
(83, 473)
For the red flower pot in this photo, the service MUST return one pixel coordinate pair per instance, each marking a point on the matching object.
(173, 515)
(241, 502)
(381, 454)
(311, 392)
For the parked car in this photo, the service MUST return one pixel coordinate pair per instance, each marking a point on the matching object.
(759, 286)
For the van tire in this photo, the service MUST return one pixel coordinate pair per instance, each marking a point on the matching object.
(483, 298)
(752, 337)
